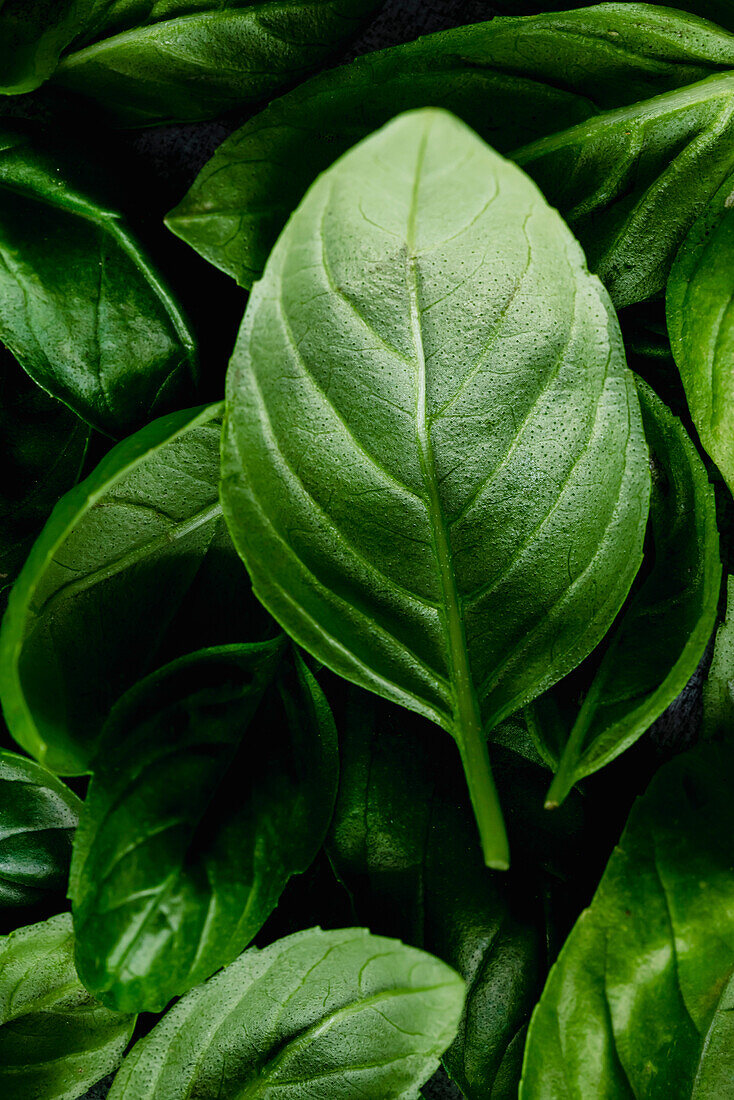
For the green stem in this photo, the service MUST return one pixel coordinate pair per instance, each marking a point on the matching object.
(484, 798)
(565, 777)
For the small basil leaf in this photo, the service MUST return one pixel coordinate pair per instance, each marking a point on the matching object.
(718, 690)
(214, 783)
(333, 1014)
(33, 34)
(55, 1040)
(631, 182)
(79, 299)
(117, 584)
(662, 632)
(38, 816)
(410, 471)
(700, 311)
(178, 60)
(639, 1002)
(512, 80)
(402, 841)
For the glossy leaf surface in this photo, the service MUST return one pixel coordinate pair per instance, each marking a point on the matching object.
(662, 632)
(700, 312)
(81, 306)
(639, 1003)
(214, 783)
(410, 473)
(133, 569)
(340, 1014)
(511, 80)
(55, 1040)
(38, 816)
(178, 60)
(631, 182)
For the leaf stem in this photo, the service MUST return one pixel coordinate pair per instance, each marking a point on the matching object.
(483, 793)
(565, 777)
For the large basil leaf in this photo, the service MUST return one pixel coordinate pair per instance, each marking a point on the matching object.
(81, 306)
(700, 312)
(443, 504)
(513, 80)
(206, 798)
(175, 60)
(42, 447)
(661, 634)
(640, 1002)
(332, 1014)
(720, 11)
(632, 182)
(402, 841)
(134, 568)
(718, 690)
(55, 1040)
(38, 816)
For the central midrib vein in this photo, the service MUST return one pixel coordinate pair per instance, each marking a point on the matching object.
(468, 730)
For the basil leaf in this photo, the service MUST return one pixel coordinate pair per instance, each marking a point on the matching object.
(411, 474)
(639, 1002)
(720, 11)
(512, 80)
(206, 798)
(701, 324)
(79, 299)
(55, 1040)
(341, 1013)
(118, 583)
(718, 690)
(182, 60)
(33, 34)
(42, 448)
(402, 841)
(38, 816)
(662, 632)
(631, 182)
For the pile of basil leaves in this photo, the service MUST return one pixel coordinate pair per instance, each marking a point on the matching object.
(338, 655)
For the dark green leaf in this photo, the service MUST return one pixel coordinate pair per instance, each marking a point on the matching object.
(441, 502)
(720, 11)
(700, 311)
(119, 582)
(718, 690)
(55, 1040)
(150, 61)
(81, 306)
(640, 1001)
(512, 80)
(206, 798)
(38, 816)
(328, 1014)
(33, 34)
(631, 182)
(662, 632)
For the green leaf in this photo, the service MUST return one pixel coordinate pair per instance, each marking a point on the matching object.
(631, 182)
(512, 80)
(33, 34)
(663, 630)
(214, 783)
(718, 690)
(441, 503)
(176, 60)
(700, 312)
(38, 816)
(402, 841)
(333, 1014)
(55, 1040)
(81, 306)
(720, 11)
(639, 1002)
(134, 568)
(42, 448)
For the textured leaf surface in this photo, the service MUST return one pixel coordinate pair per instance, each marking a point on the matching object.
(337, 1014)
(700, 312)
(214, 783)
(133, 568)
(512, 80)
(81, 306)
(38, 816)
(631, 182)
(178, 60)
(443, 504)
(662, 632)
(55, 1040)
(639, 1003)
